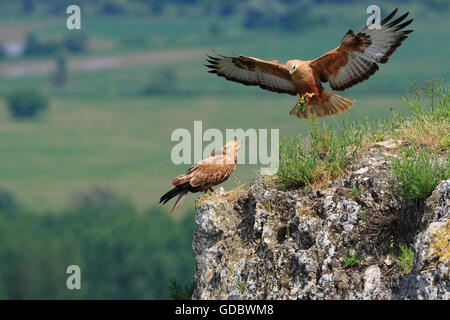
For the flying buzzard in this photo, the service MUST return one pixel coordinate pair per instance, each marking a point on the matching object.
(354, 61)
(207, 173)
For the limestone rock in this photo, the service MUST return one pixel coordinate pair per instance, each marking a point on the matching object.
(322, 244)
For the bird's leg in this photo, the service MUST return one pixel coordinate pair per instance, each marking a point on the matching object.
(304, 100)
(211, 189)
(308, 95)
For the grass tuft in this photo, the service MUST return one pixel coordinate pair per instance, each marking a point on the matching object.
(418, 168)
(353, 260)
(240, 286)
(418, 172)
(403, 256)
(179, 292)
(430, 123)
(324, 154)
(362, 214)
(354, 192)
(321, 156)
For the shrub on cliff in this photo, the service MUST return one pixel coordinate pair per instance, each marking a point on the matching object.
(418, 172)
(430, 122)
(321, 156)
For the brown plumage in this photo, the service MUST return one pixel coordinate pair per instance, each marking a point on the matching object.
(353, 61)
(205, 174)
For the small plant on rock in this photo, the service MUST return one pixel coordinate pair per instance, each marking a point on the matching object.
(240, 286)
(179, 292)
(403, 256)
(354, 192)
(353, 260)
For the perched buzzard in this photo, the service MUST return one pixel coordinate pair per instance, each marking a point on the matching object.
(354, 61)
(207, 173)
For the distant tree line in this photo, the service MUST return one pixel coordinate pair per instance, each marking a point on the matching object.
(122, 254)
(127, 6)
(73, 42)
(286, 14)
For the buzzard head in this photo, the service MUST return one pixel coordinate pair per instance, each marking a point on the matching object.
(231, 148)
(291, 66)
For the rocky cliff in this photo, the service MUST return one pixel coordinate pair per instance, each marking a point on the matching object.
(332, 242)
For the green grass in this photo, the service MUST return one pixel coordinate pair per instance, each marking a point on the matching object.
(424, 163)
(240, 286)
(430, 121)
(179, 292)
(320, 157)
(403, 256)
(353, 260)
(362, 214)
(324, 154)
(354, 192)
(418, 171)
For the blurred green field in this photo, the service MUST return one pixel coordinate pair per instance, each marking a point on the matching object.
(101, 129)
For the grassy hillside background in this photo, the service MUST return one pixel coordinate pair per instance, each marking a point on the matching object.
(111, 127)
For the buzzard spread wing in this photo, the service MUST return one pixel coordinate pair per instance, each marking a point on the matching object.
(269, 75)
(355, 60)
